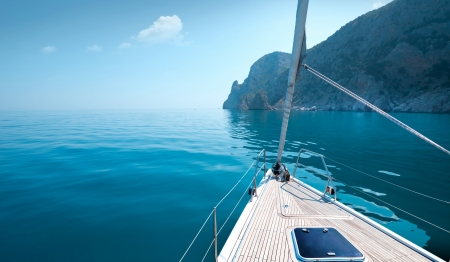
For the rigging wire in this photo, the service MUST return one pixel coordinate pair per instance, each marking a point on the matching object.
(443, 229)
(216, 207)
(378, 110)
(245, 191)
(218, 232)
(196, 235)
(210, 245)
(434, 198)
(235, 184)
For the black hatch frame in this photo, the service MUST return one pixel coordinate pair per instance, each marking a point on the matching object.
(323, 244)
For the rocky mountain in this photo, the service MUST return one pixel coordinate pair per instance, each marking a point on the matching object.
(262, 82)
(396, 57)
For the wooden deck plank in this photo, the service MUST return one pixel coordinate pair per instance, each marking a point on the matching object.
(264, 231)
(268, 246)
(253, 235)
(266, 237)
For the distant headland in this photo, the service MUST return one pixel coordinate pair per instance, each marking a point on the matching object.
(396, 57)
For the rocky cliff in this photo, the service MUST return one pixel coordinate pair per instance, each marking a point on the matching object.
(396, 57)
(263, 81)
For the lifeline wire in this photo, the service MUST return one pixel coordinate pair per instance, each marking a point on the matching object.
(443, 229)
(381, 112)
(218, 232)
(196, 235)
(377, 199)
(216, 207)
(437, 199)
(235, 185)
(210, 245)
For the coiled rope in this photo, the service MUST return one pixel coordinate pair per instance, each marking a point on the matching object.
(376, 109)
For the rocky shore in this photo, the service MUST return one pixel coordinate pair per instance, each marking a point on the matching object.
(396, 57)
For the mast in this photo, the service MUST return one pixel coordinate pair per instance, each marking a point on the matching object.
(298, 52)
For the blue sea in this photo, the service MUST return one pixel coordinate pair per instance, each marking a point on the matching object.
(137, 185)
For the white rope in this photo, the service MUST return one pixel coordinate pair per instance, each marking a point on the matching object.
(434, 198)
(381, 112)
(443, 229)
(196, 235)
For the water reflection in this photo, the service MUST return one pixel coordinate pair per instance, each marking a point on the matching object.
(366, 142)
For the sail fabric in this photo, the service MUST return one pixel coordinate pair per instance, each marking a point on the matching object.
(299, 45)
(298, 52)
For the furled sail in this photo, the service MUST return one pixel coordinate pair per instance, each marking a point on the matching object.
(298, 52)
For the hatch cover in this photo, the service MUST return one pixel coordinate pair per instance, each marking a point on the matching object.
(323, 244)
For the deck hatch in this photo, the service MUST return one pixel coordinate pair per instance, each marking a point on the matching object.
(323, 244)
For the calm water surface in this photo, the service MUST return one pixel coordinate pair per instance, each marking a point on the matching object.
(137, 185)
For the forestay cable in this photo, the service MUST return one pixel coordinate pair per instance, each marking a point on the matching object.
(381, 112)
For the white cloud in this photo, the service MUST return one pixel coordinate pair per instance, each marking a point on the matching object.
(49, 49)
(377, 4)
(165, 29)
(124, 45)
(94, 48)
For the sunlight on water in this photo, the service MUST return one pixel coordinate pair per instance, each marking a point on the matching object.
(371, 191)
(388, 173)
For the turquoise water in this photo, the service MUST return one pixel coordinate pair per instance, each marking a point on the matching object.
(137, 185)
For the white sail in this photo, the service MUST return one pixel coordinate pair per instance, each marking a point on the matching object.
(298, 52)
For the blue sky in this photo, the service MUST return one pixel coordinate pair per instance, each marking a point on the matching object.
(64, 55)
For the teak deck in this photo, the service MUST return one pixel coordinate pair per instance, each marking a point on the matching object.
(263, 233)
